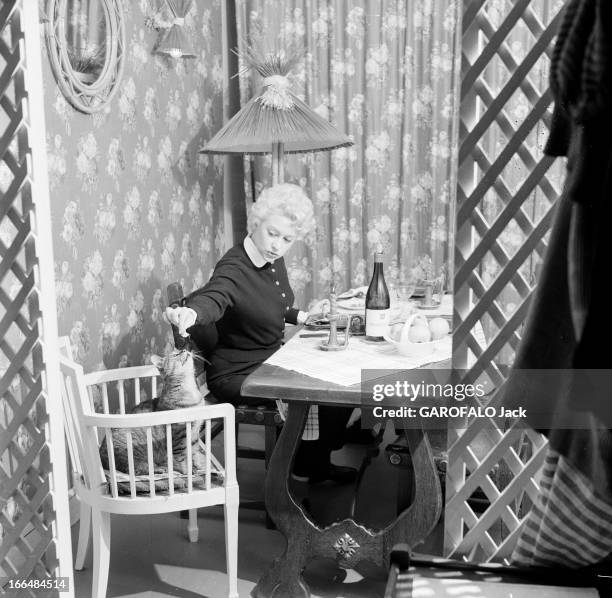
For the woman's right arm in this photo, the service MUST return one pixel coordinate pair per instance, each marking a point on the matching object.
(210, 302)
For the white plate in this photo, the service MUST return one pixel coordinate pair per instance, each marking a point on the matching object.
(352, 304)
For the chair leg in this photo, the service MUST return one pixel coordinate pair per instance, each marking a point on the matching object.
(84, 533)
(192, 526)
(230, 509)
(101, 552)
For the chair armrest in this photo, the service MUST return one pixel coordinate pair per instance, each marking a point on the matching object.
(138, 371)
(159, 418)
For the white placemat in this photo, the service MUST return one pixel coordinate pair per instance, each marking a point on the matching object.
(344, 367)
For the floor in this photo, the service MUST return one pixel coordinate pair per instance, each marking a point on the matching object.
(151, 556)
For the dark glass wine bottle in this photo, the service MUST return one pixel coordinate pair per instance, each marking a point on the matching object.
(377, 303)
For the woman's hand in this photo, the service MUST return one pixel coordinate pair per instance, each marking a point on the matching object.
(182, 318)
(317, 309)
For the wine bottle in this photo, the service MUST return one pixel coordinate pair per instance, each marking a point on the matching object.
(377, 303)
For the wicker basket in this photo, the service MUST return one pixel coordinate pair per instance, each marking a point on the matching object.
(408, 348)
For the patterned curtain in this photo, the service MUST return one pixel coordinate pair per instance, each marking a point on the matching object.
(384, 72)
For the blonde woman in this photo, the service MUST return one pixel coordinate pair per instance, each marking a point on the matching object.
(249, 299)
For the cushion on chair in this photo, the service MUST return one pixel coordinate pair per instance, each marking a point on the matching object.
(161, 481)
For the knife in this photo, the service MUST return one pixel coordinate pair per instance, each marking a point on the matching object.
(313, 334)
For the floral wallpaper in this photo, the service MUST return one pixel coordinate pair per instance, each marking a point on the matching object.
(135, 206)
(385, 72)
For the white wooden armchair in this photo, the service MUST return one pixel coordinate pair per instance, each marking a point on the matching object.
(102, 492)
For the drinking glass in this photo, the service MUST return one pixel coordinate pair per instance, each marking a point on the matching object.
(404, 292)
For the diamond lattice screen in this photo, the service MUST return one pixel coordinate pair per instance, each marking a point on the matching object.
(27, 547)
(506, 192)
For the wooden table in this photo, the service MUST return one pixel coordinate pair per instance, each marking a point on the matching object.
(345, 541)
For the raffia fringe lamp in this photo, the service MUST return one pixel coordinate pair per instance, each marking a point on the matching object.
(276, 121)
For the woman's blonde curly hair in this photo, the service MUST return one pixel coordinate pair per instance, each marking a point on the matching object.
(287, 200)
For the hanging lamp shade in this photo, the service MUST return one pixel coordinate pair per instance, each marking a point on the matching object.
(275, 116)
(174, 43)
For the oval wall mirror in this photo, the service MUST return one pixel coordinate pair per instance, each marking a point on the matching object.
(86, 45)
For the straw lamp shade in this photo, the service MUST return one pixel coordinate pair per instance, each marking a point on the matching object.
(256, 127)
(276, 121)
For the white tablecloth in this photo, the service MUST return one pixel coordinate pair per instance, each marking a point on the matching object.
(344, 367)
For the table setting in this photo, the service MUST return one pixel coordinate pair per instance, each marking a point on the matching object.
(308, 351)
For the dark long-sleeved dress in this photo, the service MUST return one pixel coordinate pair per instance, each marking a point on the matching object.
(250, 306)
(247, 306)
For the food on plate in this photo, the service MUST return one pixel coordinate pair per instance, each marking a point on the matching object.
(418, 329)
(358, 293)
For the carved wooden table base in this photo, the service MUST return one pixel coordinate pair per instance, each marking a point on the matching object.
(346, 541)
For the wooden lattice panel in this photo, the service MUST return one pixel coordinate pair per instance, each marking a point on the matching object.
(506, 193)
(28, 523)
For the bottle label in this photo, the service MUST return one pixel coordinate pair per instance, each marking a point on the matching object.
(377, 322)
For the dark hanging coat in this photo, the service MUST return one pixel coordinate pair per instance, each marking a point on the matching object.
(570, 320)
